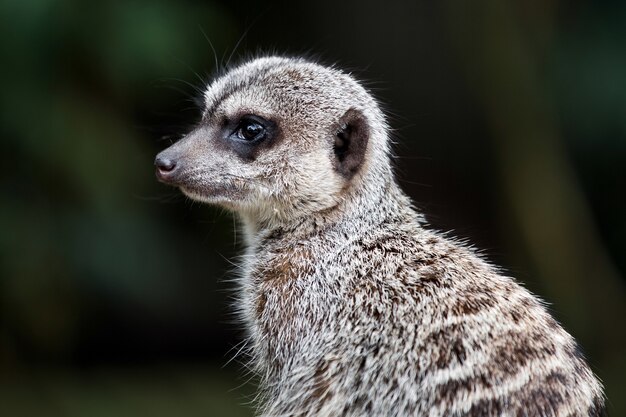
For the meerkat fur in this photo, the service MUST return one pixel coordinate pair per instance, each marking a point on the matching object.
(352, 306)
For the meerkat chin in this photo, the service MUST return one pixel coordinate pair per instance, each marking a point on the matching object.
(352, 306)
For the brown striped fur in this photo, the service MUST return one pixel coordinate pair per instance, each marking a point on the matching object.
(353, 307)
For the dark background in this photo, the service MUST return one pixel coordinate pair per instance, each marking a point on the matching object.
(510, 118)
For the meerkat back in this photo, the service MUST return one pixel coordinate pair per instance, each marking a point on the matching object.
(352, 306)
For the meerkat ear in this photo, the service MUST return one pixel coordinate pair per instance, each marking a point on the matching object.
(351, 137)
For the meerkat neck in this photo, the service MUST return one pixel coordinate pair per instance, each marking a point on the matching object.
(363, 209)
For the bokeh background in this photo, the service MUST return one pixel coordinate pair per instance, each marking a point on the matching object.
(510, 118)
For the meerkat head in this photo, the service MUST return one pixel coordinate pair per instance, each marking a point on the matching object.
(279, 138)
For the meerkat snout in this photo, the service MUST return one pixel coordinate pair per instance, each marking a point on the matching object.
(352, 306)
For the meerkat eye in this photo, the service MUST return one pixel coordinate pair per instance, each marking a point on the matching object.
(246, 135)
(250, 130)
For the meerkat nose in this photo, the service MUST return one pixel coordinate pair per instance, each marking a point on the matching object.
(165, 167)
(165, 164)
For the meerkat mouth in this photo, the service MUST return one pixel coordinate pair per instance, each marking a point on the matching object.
(215, 192)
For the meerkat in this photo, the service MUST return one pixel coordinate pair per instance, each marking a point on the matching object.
(352, 306)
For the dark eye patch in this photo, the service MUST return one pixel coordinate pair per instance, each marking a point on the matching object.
(246, 135)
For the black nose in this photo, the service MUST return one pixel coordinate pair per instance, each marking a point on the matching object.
(165, 164)
(165, 169)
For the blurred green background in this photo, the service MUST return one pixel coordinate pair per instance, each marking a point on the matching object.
(510, 118)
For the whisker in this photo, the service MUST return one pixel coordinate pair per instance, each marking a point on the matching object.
(217, 64)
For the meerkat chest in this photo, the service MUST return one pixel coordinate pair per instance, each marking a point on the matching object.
(282, 280)
(291, 300)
